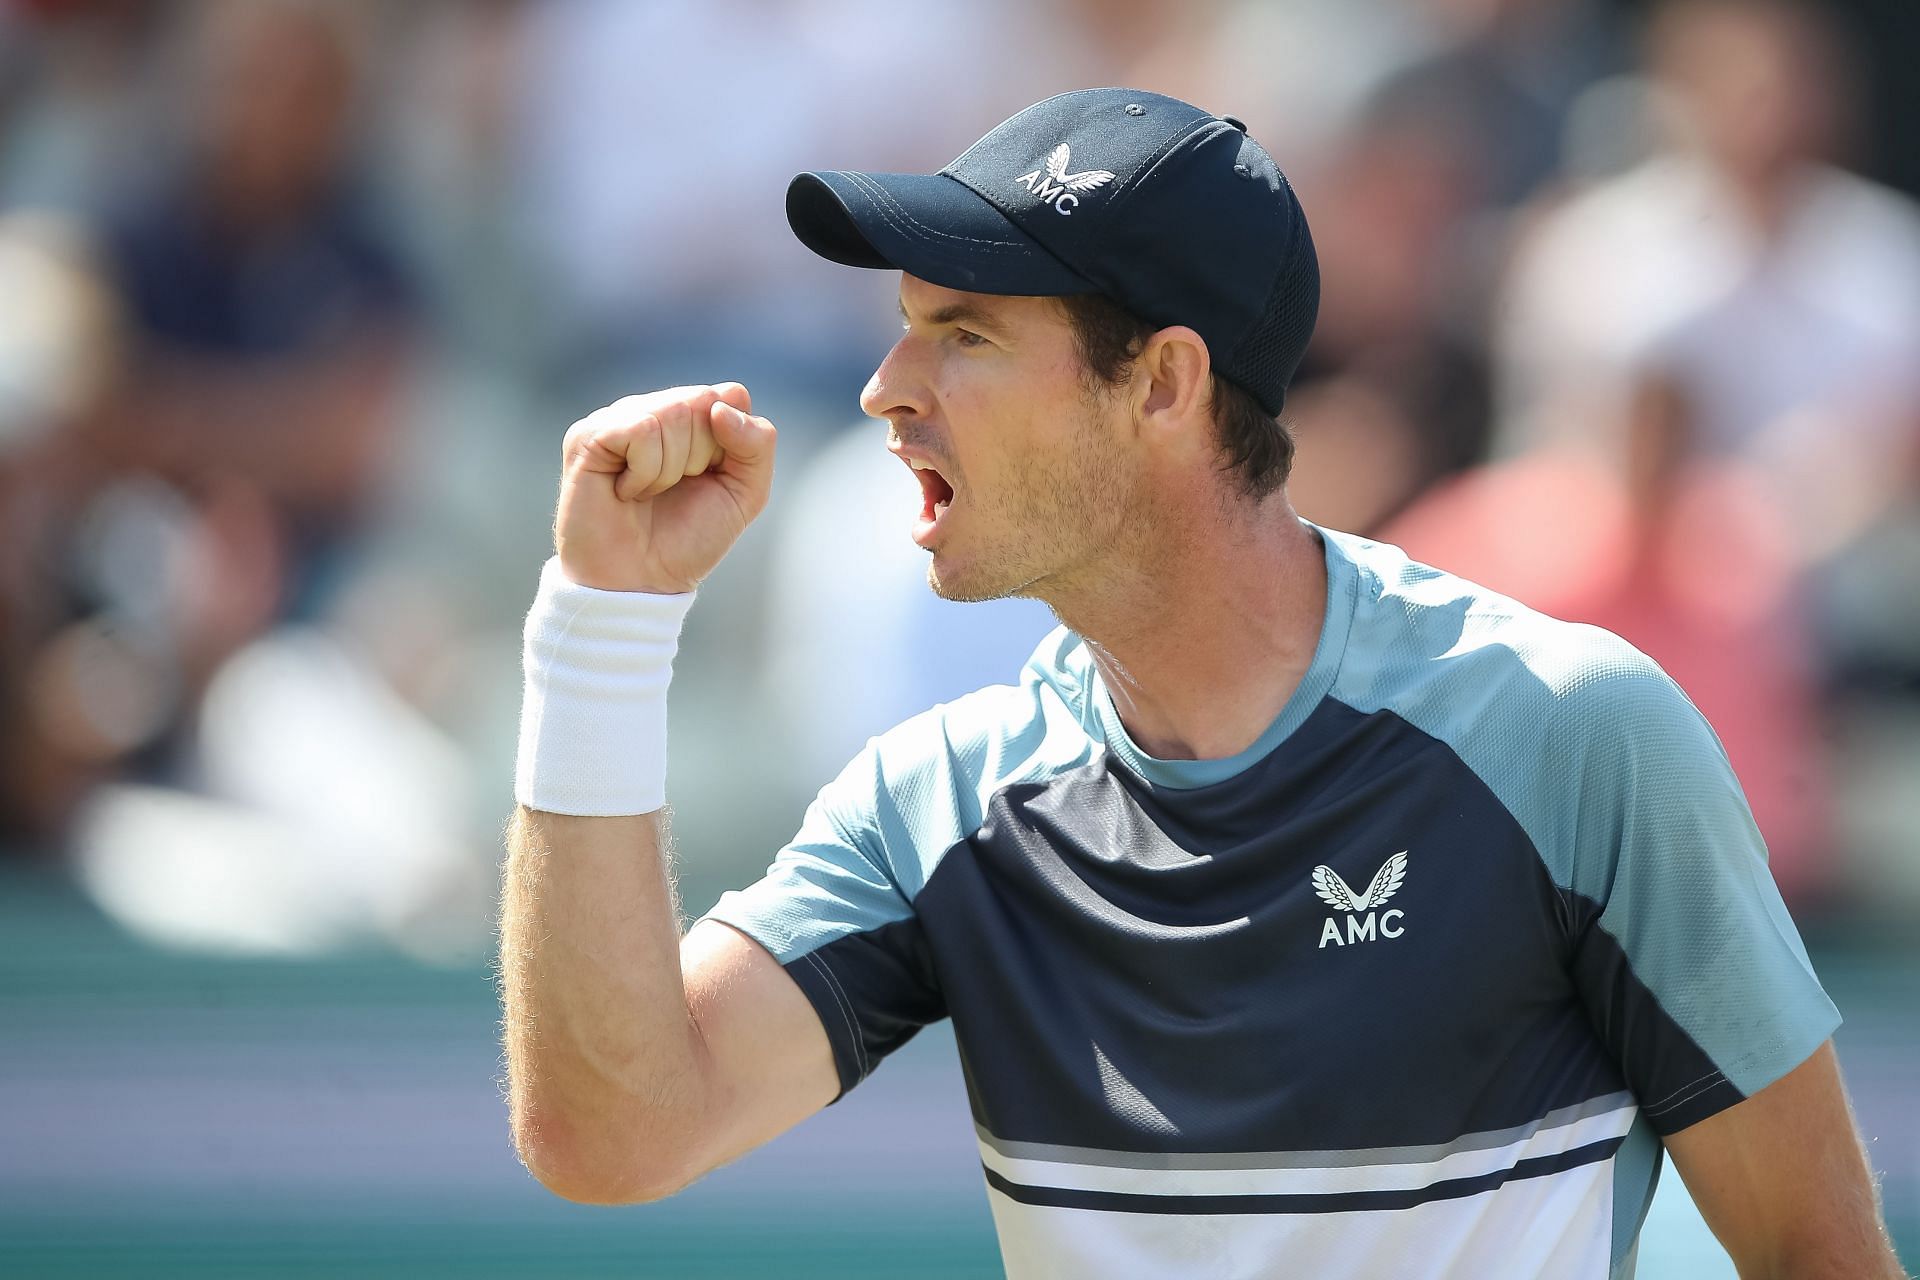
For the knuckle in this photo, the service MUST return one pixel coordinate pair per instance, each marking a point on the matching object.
(654, 404)
(671, 418)
(691, 399)
(644, 401)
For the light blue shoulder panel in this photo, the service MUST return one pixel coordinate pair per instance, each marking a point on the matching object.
(1621, 786)
(874, 834)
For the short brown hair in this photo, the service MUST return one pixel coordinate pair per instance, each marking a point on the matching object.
(1254, 444)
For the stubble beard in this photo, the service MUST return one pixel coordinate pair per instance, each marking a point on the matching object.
(1049, 527)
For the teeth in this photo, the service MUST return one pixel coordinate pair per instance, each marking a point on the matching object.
(918, 466)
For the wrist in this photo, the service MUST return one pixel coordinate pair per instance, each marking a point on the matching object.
(623, 579)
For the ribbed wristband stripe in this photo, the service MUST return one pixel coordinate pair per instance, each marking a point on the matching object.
(593, 715)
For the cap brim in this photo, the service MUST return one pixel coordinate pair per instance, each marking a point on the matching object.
(927, 225)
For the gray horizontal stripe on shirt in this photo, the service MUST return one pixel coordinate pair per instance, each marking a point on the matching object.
(1304, 1159)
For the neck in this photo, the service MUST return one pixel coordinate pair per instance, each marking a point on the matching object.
(1201, 643)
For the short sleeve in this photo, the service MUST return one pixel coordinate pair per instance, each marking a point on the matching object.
(1682, 949)
(837, 907)
(834, 913)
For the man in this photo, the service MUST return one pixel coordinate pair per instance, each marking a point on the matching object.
(1302, 911)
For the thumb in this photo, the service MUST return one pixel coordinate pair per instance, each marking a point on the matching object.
(735, 394)
(746, 440)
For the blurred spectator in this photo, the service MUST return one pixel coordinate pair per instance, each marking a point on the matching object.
(1409, 212)
(1506, 74)
(1770, 300)
(224, 773)
(448, 114)
(76, 90)
(64, 710)
(272, 320)
(1393, 392)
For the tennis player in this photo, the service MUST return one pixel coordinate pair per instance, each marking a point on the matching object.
(1300, 910)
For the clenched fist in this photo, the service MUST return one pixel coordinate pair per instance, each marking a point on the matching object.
(655, 488)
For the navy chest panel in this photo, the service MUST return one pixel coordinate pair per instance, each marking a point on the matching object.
(1351, 944)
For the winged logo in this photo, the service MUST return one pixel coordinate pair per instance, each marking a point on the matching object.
(1086, 180)
(1337, 893)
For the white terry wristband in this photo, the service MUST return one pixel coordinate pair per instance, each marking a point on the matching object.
(593, 717)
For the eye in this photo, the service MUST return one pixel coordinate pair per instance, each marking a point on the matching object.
(968, 338)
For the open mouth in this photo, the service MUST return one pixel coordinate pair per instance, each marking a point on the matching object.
(936, 496)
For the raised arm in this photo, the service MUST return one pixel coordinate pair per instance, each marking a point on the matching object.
(637, 1060)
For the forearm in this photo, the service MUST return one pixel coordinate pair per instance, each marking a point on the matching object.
(610, 1079)
(603, 1059)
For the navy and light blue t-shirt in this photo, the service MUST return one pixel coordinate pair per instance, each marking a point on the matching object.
(1413, 986)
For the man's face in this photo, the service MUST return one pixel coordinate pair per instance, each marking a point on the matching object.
(1027, 475)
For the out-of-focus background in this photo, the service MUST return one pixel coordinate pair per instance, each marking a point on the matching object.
(1621, 315)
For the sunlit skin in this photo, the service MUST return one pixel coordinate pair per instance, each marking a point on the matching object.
(1201, 605)
(989, 392)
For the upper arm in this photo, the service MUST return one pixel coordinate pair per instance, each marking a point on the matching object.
(768, 1064)
(792, 1001)
(1697, 980)
(1782, 1180)
(835, 910)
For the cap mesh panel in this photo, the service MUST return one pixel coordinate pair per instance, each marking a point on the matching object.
(1266, 357)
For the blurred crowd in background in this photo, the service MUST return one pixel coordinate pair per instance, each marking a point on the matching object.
(1621, 315)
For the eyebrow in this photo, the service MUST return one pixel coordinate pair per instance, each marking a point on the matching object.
(957, 313)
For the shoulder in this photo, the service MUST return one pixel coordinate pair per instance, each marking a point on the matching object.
(1642, 200)
(1414, 622)
(1514, 692)
(1591, 748)
(1864, 207)
(1863, 241)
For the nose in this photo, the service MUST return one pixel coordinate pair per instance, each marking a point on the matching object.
(898, 387)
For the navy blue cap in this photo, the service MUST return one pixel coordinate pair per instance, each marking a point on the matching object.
(1169, 210)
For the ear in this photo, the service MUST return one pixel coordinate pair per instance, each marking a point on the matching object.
(1172, 383)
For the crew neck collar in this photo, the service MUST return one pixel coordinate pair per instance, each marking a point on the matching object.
(1342, 592)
